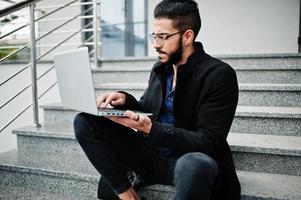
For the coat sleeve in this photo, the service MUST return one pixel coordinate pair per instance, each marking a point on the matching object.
(214, 113)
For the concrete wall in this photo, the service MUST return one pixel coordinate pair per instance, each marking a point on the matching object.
(246, 27)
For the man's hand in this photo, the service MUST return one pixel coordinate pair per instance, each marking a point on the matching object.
(113, 99)
(135, 121)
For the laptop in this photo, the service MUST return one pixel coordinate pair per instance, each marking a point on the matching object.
(76, 84)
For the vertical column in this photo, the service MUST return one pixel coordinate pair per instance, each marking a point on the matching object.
(146, 27)
(96, 25)
(35, 107)
(129, 41)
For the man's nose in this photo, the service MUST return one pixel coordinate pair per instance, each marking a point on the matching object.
(156, 44)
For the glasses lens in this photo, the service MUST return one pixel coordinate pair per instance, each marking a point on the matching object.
(151, 37)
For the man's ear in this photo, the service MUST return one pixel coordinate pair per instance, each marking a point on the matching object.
(188, 37)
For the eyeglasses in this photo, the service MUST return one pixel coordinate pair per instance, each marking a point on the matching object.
(160, 37)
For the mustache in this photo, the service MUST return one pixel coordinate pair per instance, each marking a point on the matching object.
(159, 51)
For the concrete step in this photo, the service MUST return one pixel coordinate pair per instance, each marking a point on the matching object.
(252, 152)
(249, 94)
(267, 120)
(272, 68)
(248, 119)
(242, 61)
(263, 186)
(266, 153)
(270, 94)
(284, 75)
(25, 192)
(46, 178)
(50, 181)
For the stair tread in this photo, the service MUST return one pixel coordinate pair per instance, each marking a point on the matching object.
(53, 130)
(270, 185)
(269, 111)
(13, 192)
(260, 143)
(57, 164)
(253, 183)
(248, 111)
(242, 142)
(243, 86)
(270, 86)
(148, 68)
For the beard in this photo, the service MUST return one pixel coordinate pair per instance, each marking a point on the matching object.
(175, 56)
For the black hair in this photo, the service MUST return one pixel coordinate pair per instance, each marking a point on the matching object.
(184, 14)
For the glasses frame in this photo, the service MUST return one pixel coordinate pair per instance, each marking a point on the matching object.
(162, 37)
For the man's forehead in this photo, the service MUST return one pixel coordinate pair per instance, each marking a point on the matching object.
(163, 25)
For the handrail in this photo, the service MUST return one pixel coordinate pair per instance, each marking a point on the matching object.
(26, 108)
(34, 59)
(13, 31)
(61, 25)
(9, 1)
(16, 6)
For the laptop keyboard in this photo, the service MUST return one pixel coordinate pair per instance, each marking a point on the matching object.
(111, 111)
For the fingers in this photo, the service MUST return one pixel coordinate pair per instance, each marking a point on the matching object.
(132, 115)
(113, 99)
(135, 121)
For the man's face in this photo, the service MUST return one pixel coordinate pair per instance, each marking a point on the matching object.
(170, 51)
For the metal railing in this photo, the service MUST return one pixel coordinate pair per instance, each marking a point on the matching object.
(92, 41)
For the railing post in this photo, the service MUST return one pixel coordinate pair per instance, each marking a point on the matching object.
(95, 32)
(33, 68)
(146, 27)
(299, 37)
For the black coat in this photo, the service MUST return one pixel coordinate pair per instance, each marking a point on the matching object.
(205, 100)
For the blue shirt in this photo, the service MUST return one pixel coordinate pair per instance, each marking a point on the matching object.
(167, 114)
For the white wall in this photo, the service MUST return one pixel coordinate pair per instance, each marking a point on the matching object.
(246, 27)
(60, 17)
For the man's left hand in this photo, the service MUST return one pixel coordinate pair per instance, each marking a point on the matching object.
(135, 121)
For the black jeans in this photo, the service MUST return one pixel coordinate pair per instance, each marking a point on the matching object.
(114, 150)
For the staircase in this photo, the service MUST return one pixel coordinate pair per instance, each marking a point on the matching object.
(265, 137)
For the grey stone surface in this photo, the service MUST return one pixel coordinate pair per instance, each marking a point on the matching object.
(249, 150)
(262, 60)
(123, 63)
(270, 186)
(157, 192)
(270, 94)
(52, 138)
(48, 182)
(264, 138)
(13, 192)
(266, 153)
(75, 164)
(241, 61)
(54, 113)
(249, 94)
(267, 120)
(121, 76)
(268, 144)
(248, 119)
(247, 74)
(269, 76)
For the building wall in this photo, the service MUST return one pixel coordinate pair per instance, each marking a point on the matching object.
(246, 27)
(52, 21)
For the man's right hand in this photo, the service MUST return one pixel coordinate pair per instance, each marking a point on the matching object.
(113, 99)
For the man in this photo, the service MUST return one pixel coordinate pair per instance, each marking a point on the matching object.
(193, 98)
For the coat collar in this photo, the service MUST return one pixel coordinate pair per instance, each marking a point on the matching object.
(191, 62)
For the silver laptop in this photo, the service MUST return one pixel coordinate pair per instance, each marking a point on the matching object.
(76, 84)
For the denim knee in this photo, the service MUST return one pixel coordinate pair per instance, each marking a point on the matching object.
(193, 167)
